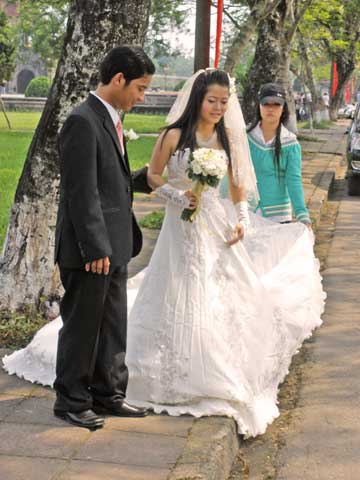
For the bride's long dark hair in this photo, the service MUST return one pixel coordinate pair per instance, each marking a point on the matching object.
(187, 122)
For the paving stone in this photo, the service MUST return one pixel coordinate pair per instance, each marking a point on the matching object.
(4, 351)
(8, 404)
(310, 146)
(36, 411)
(145, 204)
(25, 468)
(41, 440)
(40, 391)
(128, 448)
(79, 470)
(13, 385)
(156, 424)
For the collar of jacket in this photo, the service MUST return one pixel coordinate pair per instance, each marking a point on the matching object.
(109, 126)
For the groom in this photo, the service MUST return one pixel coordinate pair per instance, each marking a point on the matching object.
(96, 236)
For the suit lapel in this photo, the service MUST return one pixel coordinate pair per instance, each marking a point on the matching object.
(126, 156)
(109, 126)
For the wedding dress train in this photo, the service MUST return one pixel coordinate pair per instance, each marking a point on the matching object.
(212, 328)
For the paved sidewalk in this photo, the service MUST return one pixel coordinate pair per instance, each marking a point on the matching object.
(321, 159)
(35, 445)
(324, 440)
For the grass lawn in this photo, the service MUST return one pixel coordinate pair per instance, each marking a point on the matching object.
(323, 125)
(13, 149)
(153, 221)
(144, 123)
(20, 121)
(140, 151)
(29, 120)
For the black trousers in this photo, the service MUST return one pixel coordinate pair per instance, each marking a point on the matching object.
(90, 366)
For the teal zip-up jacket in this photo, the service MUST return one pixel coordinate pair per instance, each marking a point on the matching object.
(280, 192)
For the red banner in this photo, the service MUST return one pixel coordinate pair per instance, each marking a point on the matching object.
(335, 80)
(347, 93)
(218, 32)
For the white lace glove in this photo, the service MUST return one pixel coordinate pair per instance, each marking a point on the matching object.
(242, 214)
(173, 195)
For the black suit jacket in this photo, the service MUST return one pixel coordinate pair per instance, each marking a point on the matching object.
(95, 217)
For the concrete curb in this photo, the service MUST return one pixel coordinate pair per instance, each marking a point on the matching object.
(317, 202)
(209, 451)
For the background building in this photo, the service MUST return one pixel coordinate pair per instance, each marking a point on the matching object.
(28, 64)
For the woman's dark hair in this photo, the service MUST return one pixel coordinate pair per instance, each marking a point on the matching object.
(130, 60)
(277, 142)
(188, 120)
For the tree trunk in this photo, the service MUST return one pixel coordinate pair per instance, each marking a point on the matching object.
(27, 273)
(2, 106)
(319, 109)
(202, 35)
(345, 68)
(272, 55)
(259, 10)
(271, 61)
(238, 44)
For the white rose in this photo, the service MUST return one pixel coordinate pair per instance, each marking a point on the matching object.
(196, 168)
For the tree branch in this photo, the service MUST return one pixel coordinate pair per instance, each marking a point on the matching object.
(295, 21)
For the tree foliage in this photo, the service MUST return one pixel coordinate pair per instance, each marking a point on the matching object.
(42, 27)
(167, 16)
(277, 24)
(332, 27)
(7, 49)
(43, 23)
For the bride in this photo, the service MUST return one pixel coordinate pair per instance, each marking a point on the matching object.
(227, 299)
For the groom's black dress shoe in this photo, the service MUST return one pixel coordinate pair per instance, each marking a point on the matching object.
(123, 410)
(86, 419)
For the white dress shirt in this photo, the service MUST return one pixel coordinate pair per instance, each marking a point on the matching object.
(112, 112)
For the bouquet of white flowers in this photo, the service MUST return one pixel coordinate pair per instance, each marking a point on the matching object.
(206, 168)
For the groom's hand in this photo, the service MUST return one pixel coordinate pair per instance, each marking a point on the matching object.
(99, 266)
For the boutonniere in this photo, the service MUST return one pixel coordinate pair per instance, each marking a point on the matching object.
(130, 135)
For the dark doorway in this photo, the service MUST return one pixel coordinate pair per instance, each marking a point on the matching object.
(23, 79)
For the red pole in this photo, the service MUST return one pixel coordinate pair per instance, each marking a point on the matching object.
(347, 93)
(220, 4)
(335, 80)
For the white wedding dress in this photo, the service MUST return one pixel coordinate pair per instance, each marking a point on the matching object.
(212, 328)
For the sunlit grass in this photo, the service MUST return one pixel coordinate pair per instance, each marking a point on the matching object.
(28, 121)
(13, 149)
(20, 120)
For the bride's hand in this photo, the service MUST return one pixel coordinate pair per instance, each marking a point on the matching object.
(237, 234)
(192, 199)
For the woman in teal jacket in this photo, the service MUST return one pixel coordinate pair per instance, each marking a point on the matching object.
(276, 155)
